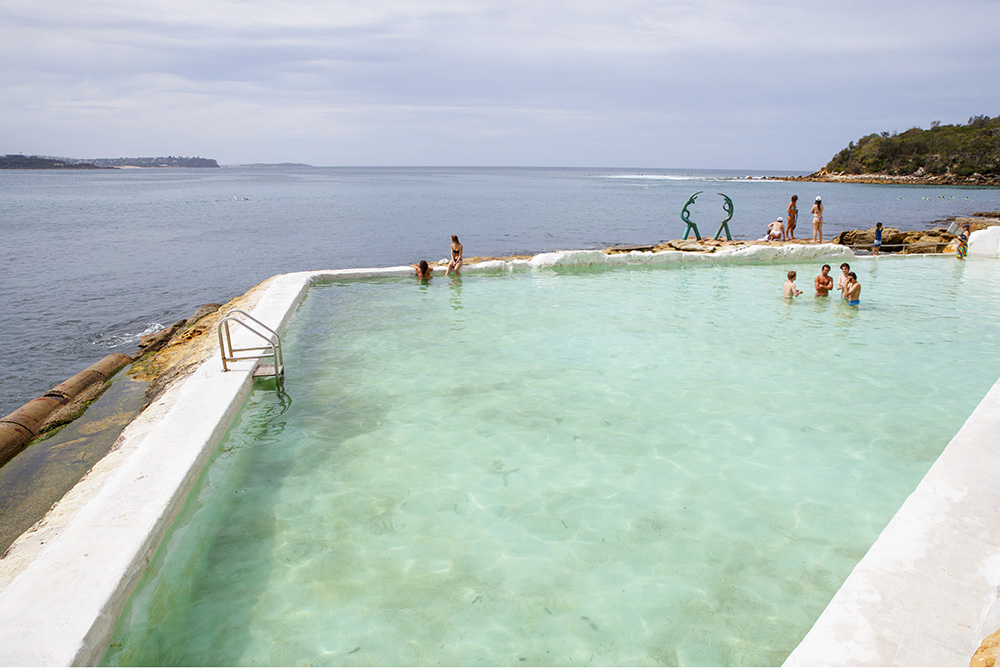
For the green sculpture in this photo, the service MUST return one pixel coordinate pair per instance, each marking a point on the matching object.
(686, 217)
(728, 207)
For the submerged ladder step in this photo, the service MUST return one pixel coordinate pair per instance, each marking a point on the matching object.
(268, 370)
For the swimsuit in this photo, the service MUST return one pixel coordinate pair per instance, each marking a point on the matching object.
(963, 246)
(853, 302)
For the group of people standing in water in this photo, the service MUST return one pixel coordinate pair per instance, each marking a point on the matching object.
(780, 230)
(847, 284)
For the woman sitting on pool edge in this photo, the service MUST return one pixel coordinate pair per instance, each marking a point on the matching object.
(423, 269)
(456, 256)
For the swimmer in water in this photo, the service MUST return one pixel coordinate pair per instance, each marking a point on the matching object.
(853, 291)
(824, 282)
(423, 270)
(790, 289)
(843, 278)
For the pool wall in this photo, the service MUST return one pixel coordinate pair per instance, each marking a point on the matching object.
(64, 584)
(985, 243)
(925, 594)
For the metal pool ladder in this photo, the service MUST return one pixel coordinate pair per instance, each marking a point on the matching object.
(270, 351)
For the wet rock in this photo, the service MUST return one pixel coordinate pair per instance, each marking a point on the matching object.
(627, 249)
(206, 309)
(689, 245)
(157, 340)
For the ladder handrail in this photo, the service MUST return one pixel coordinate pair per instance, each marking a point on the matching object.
(226, 343)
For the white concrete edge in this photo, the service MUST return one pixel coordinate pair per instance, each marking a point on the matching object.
(61, 597)
(985, 243)
(925, 594)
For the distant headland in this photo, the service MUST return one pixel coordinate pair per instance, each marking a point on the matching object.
(17, 161)
(967, 155)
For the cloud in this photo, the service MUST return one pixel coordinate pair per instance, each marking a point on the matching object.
(587, 80)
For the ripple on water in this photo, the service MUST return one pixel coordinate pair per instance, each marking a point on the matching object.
(672, 474)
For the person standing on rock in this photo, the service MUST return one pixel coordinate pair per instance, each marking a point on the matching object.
(793, 215)
(817, 212)
(877, 244)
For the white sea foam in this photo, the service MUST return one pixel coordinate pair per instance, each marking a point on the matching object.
(663, 177)
(111, 341)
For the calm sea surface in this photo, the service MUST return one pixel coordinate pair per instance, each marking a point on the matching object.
(89, 261)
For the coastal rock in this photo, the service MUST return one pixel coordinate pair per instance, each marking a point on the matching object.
(689, 245)
(203, 310)
(936, 240)
(157, 340)
(823, 176)
(988, 653)
(627, 249)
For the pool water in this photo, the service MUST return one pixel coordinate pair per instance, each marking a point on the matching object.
(668, 465)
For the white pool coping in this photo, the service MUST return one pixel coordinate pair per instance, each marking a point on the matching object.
(64, 584)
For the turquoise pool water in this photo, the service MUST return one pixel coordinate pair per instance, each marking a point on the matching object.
(668, 466)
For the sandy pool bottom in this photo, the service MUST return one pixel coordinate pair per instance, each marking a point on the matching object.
(666, 466)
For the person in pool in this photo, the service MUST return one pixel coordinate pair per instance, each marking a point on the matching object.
(456, 256)
(824, 282)
(789, 289)
(423, 269)
(853, 291)
(843, 278)
(793, 215)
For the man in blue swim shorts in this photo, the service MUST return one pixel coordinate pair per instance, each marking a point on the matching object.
(853, 291)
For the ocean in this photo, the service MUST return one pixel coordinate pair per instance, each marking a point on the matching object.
(92, 260)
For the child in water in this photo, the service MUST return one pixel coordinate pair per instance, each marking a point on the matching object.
(790, 289)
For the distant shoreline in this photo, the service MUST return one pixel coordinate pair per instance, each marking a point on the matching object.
(18, 161)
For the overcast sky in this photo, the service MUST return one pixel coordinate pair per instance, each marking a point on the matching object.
(771, 85)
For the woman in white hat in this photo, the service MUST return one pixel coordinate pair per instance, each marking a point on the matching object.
(817, 212)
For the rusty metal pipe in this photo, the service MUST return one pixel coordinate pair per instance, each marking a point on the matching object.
(18, 428)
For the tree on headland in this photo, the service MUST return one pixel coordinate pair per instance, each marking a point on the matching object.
(943, 150)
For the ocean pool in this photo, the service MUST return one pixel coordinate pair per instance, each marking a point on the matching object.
(635, 466)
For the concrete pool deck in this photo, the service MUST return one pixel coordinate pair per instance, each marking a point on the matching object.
(926, 593)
